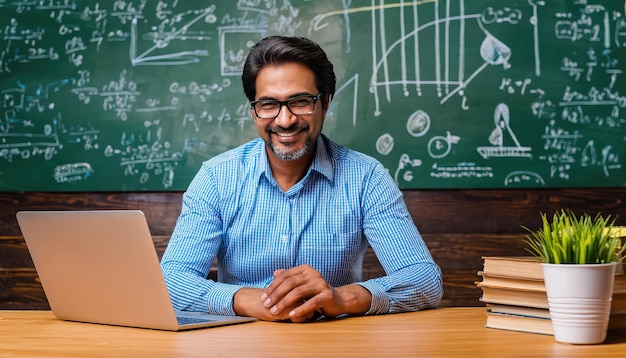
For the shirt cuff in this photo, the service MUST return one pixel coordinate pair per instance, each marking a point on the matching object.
(380, 300)
(221, 298)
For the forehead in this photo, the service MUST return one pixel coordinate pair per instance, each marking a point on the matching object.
(284, 81)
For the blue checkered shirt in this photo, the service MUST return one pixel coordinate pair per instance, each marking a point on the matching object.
(235, 211)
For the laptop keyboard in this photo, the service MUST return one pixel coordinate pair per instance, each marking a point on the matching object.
(191, 320)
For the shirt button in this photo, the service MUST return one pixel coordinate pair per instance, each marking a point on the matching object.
(283, 238)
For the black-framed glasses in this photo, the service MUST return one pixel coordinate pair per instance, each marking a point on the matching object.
(298, 105)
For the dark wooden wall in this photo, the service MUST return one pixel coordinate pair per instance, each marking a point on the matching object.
(459, 227)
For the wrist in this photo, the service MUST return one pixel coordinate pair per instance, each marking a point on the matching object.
(245, 300)
(355, 299)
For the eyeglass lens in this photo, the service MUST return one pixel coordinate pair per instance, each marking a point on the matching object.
(299, 105)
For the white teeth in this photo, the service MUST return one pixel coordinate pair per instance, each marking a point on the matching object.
(287, 134)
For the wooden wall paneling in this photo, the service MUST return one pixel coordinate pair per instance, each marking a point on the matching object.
(459, 227)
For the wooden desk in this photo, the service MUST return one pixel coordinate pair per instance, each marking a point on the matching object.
(453, 332)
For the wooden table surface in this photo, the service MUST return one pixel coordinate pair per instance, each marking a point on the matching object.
(451, 332)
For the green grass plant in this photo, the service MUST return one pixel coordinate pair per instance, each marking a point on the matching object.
(571, 239)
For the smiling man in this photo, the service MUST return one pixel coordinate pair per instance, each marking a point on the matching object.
(289, 216)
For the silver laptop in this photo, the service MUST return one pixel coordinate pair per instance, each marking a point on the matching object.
(102, 267)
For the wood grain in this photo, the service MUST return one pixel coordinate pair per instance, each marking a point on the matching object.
(443, 332)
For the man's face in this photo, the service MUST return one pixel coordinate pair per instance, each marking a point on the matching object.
(288, 136)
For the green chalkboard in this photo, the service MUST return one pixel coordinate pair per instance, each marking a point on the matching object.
(135, 95)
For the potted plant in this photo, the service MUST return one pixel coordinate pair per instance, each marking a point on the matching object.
(579, 257)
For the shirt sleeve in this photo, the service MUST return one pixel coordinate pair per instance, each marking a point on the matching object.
(413, 280)
(192, 249)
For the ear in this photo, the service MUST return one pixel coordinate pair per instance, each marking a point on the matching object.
(326, 103)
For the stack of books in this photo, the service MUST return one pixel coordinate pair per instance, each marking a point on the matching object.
(515, 295)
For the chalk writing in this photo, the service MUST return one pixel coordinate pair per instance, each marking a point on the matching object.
(135, 95)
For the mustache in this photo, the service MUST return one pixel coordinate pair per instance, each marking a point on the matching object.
(293, 128)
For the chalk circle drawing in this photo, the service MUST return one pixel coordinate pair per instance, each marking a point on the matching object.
(501, 118)
(418, 123)
(384, 144)
(406, 162)
(440, 146)
(522, 177)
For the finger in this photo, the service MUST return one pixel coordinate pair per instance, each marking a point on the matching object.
(285, 281)
(310, 317)
(277, 279)
(276, 282)
(293, 298)
(306, 311)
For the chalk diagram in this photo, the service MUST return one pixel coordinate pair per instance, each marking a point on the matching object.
(447, 75)
(21, 137)
(405, 164)
(502, 130)
(520, 177)
(492, 51)
(440, 146)
(430, 82)
(502, 118)
(163, 39)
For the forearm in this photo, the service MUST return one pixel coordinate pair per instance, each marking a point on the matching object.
(194, 293)
(410, 289)
(247, 302)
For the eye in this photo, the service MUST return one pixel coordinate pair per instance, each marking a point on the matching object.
(266, 105)
(301, 102)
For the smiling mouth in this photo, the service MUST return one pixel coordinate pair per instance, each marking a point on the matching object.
(287, 134)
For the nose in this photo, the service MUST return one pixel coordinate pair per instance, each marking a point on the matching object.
(285, 118)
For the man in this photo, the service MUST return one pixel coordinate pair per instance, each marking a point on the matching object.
(290, 215)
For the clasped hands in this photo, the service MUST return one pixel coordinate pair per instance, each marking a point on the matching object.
(299, 294)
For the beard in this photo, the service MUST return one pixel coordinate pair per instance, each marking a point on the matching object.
(289, 153)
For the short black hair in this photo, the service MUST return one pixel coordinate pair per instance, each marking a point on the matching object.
(276, 50)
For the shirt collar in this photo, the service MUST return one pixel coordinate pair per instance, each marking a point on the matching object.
(322, 162)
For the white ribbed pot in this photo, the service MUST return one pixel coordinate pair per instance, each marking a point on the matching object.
(579, 299)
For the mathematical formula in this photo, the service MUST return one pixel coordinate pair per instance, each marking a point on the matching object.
(134, 95)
